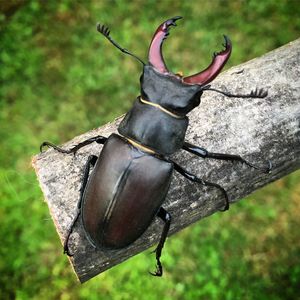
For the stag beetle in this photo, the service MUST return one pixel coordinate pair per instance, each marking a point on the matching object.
(131, 177)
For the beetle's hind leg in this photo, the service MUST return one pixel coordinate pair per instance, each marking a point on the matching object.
(166, 217)
(98, 139)
(91, 162)
(230, 157)
(194, 178)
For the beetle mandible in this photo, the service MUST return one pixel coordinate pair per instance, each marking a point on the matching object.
(131, 177)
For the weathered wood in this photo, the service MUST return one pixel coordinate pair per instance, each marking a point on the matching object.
(257, 129)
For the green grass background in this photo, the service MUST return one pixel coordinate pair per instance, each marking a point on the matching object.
(60, 78)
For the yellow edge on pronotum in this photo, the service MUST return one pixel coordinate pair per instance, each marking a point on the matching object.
(161, 108)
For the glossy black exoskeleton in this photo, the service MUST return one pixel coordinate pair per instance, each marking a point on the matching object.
(131, 177)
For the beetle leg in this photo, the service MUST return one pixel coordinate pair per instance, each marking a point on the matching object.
(194, 178)
(91, 162)
(231, 157)
(166, 217)
(258, 93)
(98, 139)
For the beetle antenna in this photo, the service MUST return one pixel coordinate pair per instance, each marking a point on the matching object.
(105, 31)
(258, 93)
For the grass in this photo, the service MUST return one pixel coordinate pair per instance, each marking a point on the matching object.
(59, 78)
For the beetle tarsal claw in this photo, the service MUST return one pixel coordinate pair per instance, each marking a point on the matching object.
(67, 251)
(224, 208)
(159, 270)
(265, 170)
(258, 93)
(103, 29)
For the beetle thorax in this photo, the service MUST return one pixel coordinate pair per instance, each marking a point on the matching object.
(158, 117)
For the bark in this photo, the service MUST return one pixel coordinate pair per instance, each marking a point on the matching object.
(257, 129)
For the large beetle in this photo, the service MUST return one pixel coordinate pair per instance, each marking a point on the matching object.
(131, 177)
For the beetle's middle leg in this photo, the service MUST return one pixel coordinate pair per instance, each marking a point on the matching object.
(230, 157)
(194, 178)
(166, 217)
(91, 162)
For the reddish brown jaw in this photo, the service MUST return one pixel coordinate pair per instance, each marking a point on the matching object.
(157, 61)
(155, 49)
(211, 72)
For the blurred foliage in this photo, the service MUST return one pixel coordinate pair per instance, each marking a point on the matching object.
(60, 78)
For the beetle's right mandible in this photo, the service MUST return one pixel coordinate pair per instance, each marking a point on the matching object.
(155, 54)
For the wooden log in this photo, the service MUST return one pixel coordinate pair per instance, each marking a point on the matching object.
(257, 129)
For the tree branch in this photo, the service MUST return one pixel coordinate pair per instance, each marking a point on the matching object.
(257, 129)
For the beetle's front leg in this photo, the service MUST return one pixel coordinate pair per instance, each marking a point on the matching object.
(257, 93)
(231, 157)
(166, 217)
(91, 162)
(98, 139)
(194, 178)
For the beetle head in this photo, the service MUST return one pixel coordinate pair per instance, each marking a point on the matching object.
(169, 91)
(173, 91)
